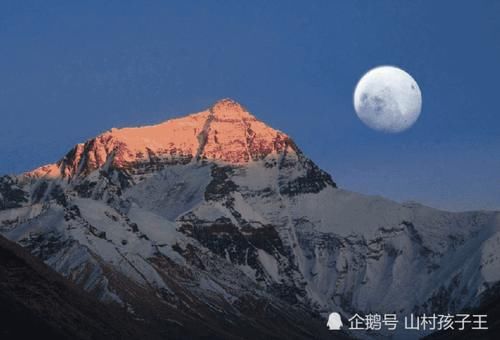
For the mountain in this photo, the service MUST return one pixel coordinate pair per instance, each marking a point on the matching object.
(217, 220)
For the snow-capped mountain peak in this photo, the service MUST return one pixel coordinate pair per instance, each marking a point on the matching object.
(225, 132)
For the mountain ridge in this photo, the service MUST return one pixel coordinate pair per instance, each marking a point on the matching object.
(220, 224)
(224, 132)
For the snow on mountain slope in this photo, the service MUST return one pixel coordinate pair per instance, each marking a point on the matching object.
(225, 218)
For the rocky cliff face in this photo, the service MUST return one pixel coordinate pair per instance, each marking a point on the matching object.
(226, 219)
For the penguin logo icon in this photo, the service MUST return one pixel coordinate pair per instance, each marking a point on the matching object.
(334, 322)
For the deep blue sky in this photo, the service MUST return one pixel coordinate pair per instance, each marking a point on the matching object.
(70, 70)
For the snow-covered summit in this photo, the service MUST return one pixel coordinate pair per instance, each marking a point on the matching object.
(224, 132)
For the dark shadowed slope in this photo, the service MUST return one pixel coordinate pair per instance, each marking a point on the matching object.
(36, 302)
(489, 307)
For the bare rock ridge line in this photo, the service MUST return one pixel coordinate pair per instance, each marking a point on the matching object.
(203, 136)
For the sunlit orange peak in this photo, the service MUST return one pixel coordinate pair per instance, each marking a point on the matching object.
(229, 109)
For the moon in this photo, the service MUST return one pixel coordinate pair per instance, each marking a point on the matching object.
(388, 99)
